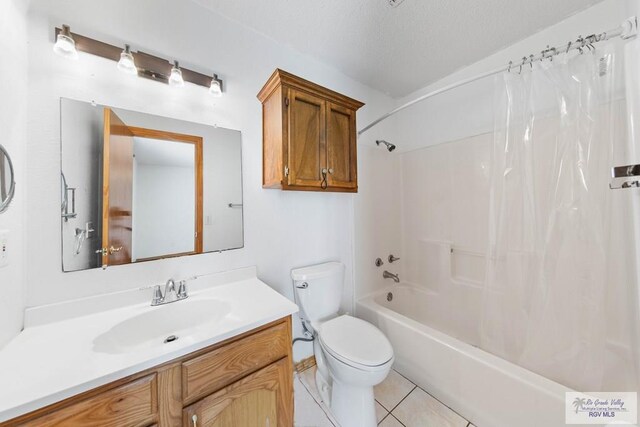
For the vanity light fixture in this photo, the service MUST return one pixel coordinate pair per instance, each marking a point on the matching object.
(126, 64)
(216, 86)
(148, 66)
(65, 45)
(175, 79)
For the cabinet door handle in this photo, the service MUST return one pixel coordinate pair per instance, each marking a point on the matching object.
(195, 420)
(323, 183)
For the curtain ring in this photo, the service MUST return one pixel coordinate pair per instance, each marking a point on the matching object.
(510, 64)
(531, 60)
(524, 59)
(568, 46)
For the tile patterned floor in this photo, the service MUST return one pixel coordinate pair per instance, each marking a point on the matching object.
(399, 403)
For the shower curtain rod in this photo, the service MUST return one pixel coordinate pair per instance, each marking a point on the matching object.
(626, 30)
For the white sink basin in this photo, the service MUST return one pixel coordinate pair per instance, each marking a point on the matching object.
(162, 325)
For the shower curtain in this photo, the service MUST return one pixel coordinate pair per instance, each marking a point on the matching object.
(553, 291)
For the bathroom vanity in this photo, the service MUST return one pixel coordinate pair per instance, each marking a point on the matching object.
(232, 366)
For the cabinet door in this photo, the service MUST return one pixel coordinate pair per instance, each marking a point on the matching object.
(341, 147)
(307, 149)
(262, 399)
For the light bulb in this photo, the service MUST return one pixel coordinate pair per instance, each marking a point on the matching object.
(175, 79)
(127, 64)
(65, 45)
(215, 88)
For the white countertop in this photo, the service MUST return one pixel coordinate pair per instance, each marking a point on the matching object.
(55, 356)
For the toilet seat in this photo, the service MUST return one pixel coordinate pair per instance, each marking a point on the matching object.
(355, 342)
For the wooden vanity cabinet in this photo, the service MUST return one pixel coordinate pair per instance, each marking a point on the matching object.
(245, 381)
(309, 136)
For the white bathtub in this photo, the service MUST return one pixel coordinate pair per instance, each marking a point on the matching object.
(483, 388)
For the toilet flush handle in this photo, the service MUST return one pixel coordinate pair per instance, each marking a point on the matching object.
(303, 285)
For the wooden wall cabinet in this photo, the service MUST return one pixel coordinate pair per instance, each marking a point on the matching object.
(246, 381)
(309, 136)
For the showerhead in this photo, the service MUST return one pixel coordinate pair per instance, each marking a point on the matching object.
(389, 145)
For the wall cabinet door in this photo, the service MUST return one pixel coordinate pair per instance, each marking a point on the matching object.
(308, 136)
(307, 149)
(258, 400)
(341, 146)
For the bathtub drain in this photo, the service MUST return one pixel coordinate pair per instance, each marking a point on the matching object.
(389, 296)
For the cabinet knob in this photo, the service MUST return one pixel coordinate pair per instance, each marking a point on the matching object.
(331, 171)
(195, 420)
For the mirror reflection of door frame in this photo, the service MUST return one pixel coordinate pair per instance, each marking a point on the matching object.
(197, 143)
(116, 205)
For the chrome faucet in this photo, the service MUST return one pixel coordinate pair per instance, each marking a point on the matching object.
(160, 298)
(388, 275)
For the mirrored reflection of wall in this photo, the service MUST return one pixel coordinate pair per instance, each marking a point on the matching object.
(164, 198)
(164, 213)
(82, 126)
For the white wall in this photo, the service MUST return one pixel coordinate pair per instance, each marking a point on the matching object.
(222, 176)
(468, 110)
(163, 210)
(283, 230)
(377, 219)
(13, 111)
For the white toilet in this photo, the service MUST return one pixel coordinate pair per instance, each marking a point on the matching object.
(352, 355)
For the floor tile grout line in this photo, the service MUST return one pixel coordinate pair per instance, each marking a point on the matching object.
(414, 387)
(404, 377)
(317, 403)
(447, 406)
(460, 415)
(398, 420)
(385, 417)
(394, 408)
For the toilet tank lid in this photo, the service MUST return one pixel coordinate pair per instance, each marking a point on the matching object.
(316, 271)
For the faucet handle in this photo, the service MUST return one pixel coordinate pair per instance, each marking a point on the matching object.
(158, 298)
(182, 289)
(393, 259)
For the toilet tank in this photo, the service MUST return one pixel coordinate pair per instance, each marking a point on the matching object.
(318, 290)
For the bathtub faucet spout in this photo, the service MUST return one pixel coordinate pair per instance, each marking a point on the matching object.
(388, 275)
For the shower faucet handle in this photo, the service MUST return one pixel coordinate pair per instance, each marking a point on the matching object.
(393, 259)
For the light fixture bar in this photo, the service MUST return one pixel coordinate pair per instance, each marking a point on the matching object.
(149, 66)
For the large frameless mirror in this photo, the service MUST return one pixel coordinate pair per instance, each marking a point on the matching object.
(7, 180)
(137, 187)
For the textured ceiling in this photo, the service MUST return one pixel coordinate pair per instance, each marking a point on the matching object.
(397, 49)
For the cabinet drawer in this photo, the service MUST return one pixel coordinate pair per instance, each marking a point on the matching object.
(132, 404)
(215, 370)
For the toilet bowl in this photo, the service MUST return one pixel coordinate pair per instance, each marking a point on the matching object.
(352, 355)
(358, 357)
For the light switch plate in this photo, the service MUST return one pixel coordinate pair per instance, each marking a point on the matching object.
(4, 248)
